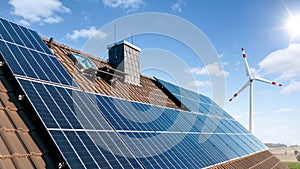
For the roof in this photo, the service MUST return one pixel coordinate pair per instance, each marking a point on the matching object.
(88, 121)
(118, 89)
(18, 149)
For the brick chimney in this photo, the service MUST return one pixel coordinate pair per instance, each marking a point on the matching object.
(125, 57)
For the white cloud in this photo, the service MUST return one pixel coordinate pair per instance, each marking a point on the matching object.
(91, 32)
(284, 110)
(286, 63)
(291, 88)
(132, 5)
(210, 69)
(37, 11)
(178, 6)
(198, 83)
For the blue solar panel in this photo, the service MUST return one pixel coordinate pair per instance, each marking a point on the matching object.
(27, 55)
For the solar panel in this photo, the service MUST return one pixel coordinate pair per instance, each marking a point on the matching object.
(27, 55)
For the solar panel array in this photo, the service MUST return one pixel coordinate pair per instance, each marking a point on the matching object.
(27, 55)
(96, 131)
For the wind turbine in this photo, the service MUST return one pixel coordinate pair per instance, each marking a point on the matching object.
(249, 83)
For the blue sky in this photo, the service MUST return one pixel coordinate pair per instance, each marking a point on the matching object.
(261, 27)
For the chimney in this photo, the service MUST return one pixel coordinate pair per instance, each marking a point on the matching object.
(125, 57)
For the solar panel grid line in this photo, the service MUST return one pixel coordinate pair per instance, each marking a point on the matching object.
(15, 37)
(9, 37)
(232, 127)
(146, 149)
(165, 132)
(123, 106)
(87, 113)
(175, 160)
(58, 71)
(86, 157)
(186, 150)
(246, 140)
(30, 95)
(125, 146)
(64, 106)
(207, 110)
(55, 110)
(29, 71)
(41, 74)
(109, 160)
(147, 162)
(110, 124)
(46, 82)
(215, 133)
(237, 140)
(232, 160)
(40, 43)
(31, 48)
(60, 141)
(63, 72)
(118, 109)
(188, 102)
(106, 105)
(109, 105)
(214, 154)
(114, 110)
(6, 35)
(179, 125)
(94, 149)
(149, 113)
(10, 60)
(41, 60)
(139, 102)
(27, 43)
(157, 113)
(116, 146)
(31, 38)
(65, 136)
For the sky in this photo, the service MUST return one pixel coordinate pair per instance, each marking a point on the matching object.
(268, 30)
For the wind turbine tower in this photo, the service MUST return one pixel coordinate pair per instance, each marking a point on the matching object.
(249, 83)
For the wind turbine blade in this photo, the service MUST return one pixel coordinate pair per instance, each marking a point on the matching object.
(241, 89)
(248, 73)
(266, 81)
